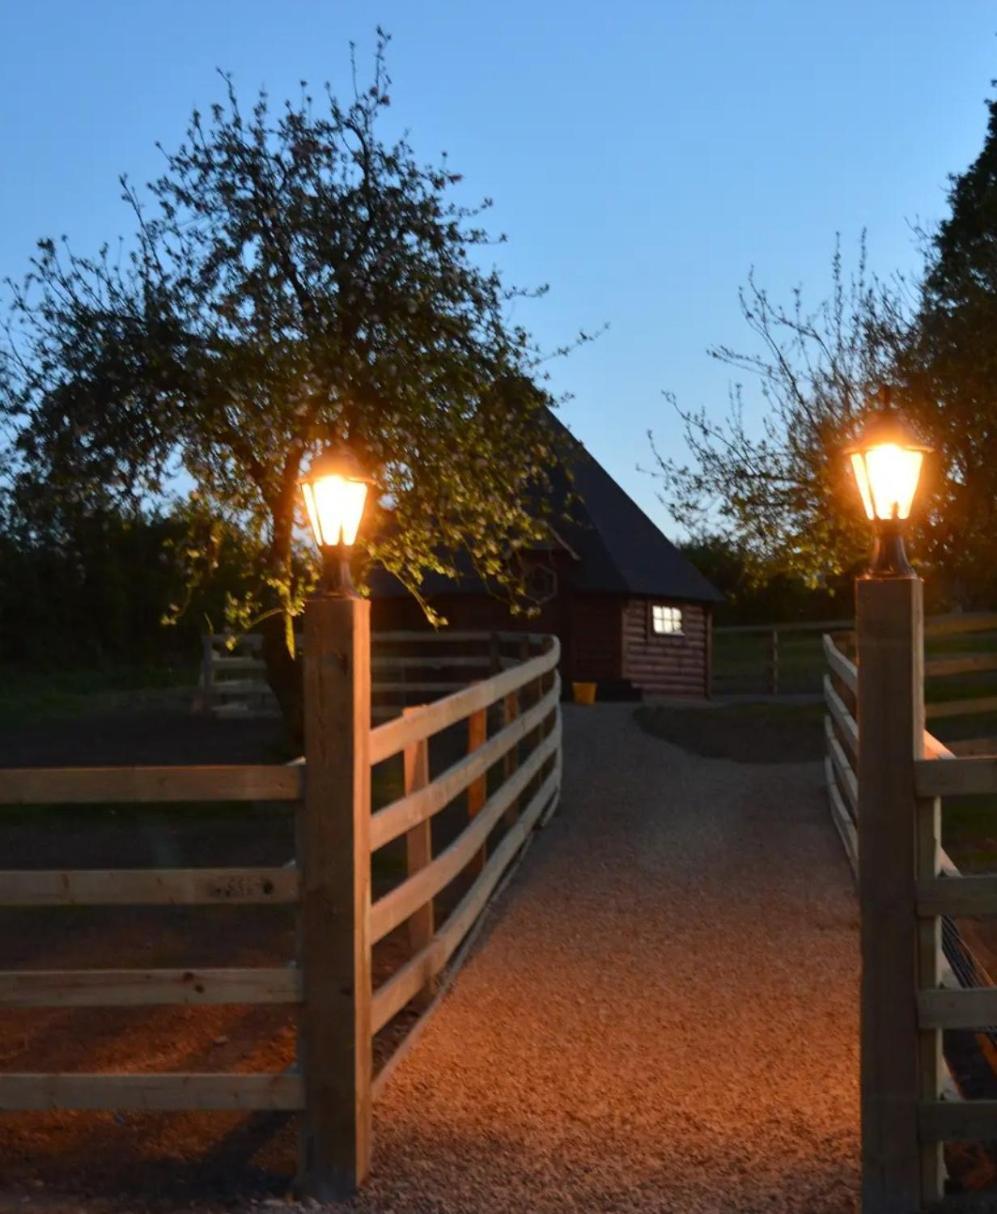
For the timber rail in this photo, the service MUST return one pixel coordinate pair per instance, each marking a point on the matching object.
(406, 667)
(508, 779)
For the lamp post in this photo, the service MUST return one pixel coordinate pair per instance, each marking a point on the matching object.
(898, 834)
(334, 836)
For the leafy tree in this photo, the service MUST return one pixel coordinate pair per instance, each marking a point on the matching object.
(752, 596)
(295, 279)
(777, 489)
(952, 364)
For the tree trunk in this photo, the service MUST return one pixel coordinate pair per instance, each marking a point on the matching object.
(284, 674)
(284, 670)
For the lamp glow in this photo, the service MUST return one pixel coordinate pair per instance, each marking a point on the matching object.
(335, 508)
(335, 493)
(887, 462)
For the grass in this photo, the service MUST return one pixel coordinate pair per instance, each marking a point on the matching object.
(31, 696)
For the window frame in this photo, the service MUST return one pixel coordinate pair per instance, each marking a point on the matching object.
(653, 632)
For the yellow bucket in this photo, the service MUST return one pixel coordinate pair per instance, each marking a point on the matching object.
(583, 693)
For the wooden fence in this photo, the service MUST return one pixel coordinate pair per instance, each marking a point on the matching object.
(509, 778)
(770, 659)
(886, 776)
(407, 667)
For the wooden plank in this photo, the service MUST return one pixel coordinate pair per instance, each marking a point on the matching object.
(967, 1008)
(477, 790)
(433, 661)
(393, 736)
(967, 663)
(844, 720)
(972, 747)
(510, 712)
(113, 785)
(384, 687)
(842, 819)
(803, 626)
(147, 988)
(957, 896)
(335, 1034)
(241, 687)
(955, 777)
(419, 853)
(958, 1120)
(395, 907)
(959, 622)
(930, 960)
(169, 1092)
(238, 663)
(148, 887)
(889, 617)
(401, 815)
(961, 708)
(397, 992)
(839, 761)
(430, 636)
(245, 640)
(846, 670)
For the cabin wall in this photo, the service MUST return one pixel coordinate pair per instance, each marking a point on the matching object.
(593, 640)
(666, 665)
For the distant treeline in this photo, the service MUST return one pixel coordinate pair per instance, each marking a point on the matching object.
(97, 593)
(755, 596)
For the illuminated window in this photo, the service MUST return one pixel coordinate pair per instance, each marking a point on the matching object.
(666, 621)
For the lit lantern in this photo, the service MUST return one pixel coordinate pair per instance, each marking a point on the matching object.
(887, 460)
(335, 493)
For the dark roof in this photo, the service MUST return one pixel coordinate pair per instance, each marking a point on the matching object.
(618, 549)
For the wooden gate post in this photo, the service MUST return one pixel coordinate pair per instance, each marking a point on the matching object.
(335, 906)
(419, 853)
(898, 1175)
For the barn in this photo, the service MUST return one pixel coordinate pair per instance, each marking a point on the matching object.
(633, 614)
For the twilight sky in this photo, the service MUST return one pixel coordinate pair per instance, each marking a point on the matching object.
(643, 155)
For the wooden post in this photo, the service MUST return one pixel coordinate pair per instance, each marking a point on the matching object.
(335, 906)
(774, 662)
(510, 711)
(477, 790)
(889, 619)
(418, 853)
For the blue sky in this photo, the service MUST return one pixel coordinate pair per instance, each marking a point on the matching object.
(642, 156)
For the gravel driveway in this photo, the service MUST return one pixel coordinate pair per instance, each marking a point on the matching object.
(662, 1014)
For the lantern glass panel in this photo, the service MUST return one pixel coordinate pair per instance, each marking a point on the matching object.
(335, 507)
(887, 477)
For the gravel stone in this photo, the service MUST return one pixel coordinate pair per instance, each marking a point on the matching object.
(662, 1014)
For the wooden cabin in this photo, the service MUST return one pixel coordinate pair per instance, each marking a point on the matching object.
(632, 613)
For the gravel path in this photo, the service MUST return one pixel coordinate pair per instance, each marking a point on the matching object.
(662, 1015)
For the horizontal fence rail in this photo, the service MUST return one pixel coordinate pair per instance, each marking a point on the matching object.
(504, 781)
(783, 658)
(405, 665)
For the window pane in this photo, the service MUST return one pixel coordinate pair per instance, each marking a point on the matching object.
(665, 620)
